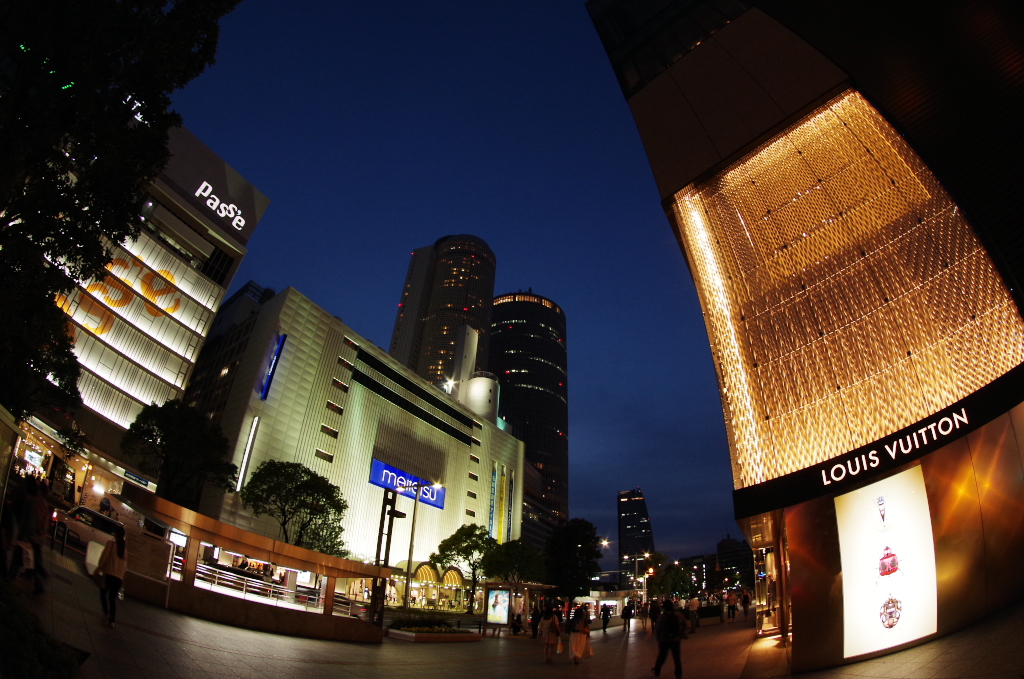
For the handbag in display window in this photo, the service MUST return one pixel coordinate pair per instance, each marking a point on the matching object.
(889, 563)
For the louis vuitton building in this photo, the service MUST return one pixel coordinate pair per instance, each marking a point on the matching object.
(842, 182)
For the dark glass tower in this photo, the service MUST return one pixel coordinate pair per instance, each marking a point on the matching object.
(449, 285)
(528, 354)
(635, 536)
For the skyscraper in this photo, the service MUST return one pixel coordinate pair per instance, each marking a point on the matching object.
(848, 211)
(530, 359)
(449, 285)
(635, 535)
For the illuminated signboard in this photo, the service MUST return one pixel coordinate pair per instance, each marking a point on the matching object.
(497, 606)
(888, 557)
(386, 476)
(272, 368)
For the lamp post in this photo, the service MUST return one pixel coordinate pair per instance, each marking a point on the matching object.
(417, 487)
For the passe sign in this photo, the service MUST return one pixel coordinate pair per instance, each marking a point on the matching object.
(386, 476)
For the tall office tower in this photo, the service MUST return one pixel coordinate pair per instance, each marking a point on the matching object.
(139, 329)
(530, 358)
(635, 536)
(849, 211)
(449, 285)
(288, 381)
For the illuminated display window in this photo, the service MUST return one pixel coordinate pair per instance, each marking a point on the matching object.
(844, 293)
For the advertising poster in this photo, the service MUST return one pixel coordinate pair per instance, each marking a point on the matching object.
(885, 542)
(497, 606)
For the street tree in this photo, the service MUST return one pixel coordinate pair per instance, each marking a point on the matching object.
(85, 91)
(514, 562)
(181, 447)
(465, 549)
(571, 557)
(667, 579)
(308, 507)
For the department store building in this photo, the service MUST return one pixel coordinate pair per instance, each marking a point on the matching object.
(843, 181)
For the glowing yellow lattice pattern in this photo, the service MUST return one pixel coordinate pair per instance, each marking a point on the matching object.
(845, 295)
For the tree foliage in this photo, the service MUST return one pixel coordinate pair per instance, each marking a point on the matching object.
(571, 556)
(308, 506)
(465, 548)
(514, 562)
(668, 578)
(85, 91)
(179, 445)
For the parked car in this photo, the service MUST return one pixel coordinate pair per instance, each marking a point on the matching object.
(86, 525)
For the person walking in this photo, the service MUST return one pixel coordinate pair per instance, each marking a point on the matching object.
(627, 615)
(746, 602)
(693, 608)
(644, 610)
(579, 635)
(653, 612)
(112, 566)
(606, 615)
(669, 631)
(730, 604)
(549, 630)
(535, 620)
(33, 522)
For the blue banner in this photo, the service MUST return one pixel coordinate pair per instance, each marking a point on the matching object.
(386, 476)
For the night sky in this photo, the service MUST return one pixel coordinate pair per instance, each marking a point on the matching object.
(376, 128)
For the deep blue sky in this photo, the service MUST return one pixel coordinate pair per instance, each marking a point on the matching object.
(378, 127)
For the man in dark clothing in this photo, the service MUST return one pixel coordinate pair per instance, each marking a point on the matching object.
(606, 614)
(535, 620)
(669, 631)
(627, 615)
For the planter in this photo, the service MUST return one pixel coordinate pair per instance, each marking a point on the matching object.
(433, 637)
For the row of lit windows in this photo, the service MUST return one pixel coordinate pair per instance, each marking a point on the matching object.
(187, 279)
(518, 297)
(533, 386)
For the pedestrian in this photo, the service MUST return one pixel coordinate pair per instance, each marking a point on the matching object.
(693, 608)
(669, 631)
(730, 605)
(653, 612)
(33, 522)
(112, 566)
(517, 623)
(606, 614)
(550, 631)
(644, 610)
(746, 602)
(579, 636)
(535, 619)
(627, 615)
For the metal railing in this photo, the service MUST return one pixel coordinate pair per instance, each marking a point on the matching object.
(256, 590)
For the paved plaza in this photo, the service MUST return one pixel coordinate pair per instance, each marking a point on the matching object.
(154, 643)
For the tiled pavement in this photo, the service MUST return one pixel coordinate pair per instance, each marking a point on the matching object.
(152, 643)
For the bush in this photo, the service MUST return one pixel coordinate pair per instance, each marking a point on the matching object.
(28, 652)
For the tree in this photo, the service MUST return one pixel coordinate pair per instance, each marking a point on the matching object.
(667, 579)
(84, 112)
(308, 506)
(466, 547)
(571, 555)
(179, 445)
(514, 562)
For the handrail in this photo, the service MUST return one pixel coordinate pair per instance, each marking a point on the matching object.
(252, 589)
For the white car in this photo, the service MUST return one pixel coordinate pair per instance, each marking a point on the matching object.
(86, 525)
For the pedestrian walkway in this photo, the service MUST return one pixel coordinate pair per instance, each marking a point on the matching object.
(155, 643)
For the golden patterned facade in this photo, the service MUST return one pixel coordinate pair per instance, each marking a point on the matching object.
(844, 293)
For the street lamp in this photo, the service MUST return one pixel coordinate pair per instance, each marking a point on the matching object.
(417, 487)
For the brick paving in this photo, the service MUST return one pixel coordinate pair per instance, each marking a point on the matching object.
(153, 643)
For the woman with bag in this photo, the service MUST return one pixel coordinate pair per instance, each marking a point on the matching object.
(550, 632)
(112, 567)
(579, 638)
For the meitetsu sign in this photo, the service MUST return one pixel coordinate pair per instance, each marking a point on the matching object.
(392, 478)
